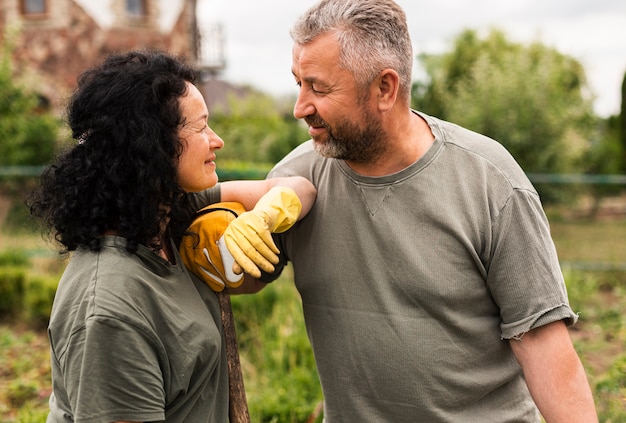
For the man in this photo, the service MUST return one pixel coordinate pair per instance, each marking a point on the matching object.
(430, 285)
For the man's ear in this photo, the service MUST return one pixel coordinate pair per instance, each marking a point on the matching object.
(388, 86)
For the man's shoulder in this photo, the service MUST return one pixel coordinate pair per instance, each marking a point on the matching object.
(300, 161)
(479, 150)
(453, 133)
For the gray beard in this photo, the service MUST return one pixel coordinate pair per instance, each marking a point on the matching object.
(352, 143)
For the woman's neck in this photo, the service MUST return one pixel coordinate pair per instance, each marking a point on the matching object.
(166, 252)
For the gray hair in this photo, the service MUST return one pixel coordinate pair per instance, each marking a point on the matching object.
(373, 35)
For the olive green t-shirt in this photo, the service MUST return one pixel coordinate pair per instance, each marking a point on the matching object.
(135, 338)
(412, 283)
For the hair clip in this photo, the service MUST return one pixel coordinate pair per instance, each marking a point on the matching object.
(83, 137)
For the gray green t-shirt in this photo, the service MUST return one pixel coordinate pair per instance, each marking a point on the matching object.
(412, 283)
(135, 338)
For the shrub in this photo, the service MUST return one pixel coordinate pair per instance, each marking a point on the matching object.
(278, 365)
(28, 415)
(611, 392)
(24, 295)
(38, 299)
(12, 289)
(17, 258)
(20, 392)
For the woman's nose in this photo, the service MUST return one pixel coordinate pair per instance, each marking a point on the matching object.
(215, 141)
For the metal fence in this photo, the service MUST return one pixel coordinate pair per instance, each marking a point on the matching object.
(8, 173)
(257, 173)
(224, 174)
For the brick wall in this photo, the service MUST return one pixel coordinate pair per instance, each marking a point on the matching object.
(51, 50)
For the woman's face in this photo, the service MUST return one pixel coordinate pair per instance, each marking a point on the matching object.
(196, 164)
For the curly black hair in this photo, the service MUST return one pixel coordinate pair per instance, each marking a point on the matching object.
(122, 174)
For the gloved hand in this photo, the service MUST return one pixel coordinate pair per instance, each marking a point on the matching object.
(208, 258)
(249, 237)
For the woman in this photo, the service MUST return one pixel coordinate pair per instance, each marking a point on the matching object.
(134, 336)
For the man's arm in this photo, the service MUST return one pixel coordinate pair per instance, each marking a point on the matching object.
(250, 285)
(249, 192)
(554, 374)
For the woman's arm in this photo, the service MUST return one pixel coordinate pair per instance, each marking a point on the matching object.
(272, 207)
(249, 192)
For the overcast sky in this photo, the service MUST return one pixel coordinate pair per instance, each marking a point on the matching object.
(258, 47)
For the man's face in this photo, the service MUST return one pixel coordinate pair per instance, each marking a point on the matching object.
(341, 119)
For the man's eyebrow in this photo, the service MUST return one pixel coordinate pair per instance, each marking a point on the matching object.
(309, 79)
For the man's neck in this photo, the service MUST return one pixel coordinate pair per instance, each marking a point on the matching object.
(406, 141)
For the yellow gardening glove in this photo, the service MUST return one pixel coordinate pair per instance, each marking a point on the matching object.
(249, 237)
(208, 258)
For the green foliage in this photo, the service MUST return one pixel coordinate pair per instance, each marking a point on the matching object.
(606, 153)
(24, 296)
(13, 257)
(622, 125)
(611, 390)
(278, 365)
(279, 370)
(532, 98)
(229, 170)
(27, 134)
(24, 375)
(18, 219)
(254, 130)
(12, 290)
(40, 291)
(28, 415)
(20, 392)
(600, 335)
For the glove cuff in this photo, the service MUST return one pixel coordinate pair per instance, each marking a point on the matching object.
(281, 208)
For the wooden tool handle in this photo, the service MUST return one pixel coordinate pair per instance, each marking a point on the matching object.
(237, 402)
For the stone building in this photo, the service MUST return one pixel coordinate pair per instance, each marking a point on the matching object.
(54, 40)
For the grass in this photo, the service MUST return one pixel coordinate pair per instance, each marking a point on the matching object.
(600, 336)
(599, 241)
(279, 370)
(24, 375)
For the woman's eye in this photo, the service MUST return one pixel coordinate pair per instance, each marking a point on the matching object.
(199, 129)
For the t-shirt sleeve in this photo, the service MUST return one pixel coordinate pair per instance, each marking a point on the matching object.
(524, 274)
(115, 373)
(202, 199)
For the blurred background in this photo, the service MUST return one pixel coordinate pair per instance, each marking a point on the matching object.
(546, 79)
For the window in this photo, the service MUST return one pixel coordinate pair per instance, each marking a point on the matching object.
(136, 8)
(33, 7)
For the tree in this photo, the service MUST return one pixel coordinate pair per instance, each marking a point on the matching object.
(532, 99)
(255, 130)
(622, 126)
(27, 133)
